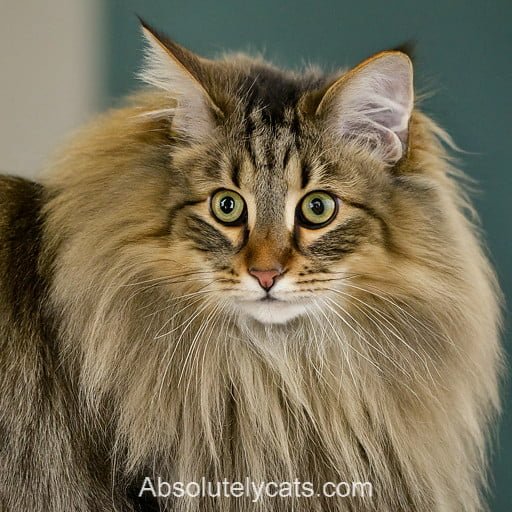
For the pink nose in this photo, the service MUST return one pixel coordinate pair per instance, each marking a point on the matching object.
(266, 278)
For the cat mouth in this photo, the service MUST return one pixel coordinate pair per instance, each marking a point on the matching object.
(271, 310)
(269, 298)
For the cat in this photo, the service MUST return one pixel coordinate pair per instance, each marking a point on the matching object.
(248, 273)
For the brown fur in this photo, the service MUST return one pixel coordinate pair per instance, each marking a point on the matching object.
(122, 358)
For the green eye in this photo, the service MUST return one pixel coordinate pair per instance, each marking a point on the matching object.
(317, 209)
(228, 207)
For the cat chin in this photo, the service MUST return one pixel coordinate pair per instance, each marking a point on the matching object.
(272, 312)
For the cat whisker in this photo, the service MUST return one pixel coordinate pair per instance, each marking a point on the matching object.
(402, 383)
(199, 332)
(379, 349)
(165, 282)
(379, 325)
(217, 316)
(353, 329)
(177, 343)
(180, 298)
(173, 276)
(320, 346)
(312, 281)
(192, 303)
(391, 329)
(401, 311)
(343, 344)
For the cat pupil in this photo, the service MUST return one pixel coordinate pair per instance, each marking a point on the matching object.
(317, 206)
(227, 204)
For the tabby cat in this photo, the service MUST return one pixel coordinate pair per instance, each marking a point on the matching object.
(247, 273)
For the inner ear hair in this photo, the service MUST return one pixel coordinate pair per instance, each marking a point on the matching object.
(184, 76)
(371, 105)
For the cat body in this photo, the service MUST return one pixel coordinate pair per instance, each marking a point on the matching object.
(247, 273)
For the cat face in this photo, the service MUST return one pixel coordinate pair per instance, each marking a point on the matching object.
(278, 237)
(283, 177)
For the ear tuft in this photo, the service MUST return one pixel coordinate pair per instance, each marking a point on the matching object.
(174, 69)
(408, 47)
(371, 105)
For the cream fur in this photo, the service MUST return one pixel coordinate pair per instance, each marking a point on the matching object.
(397, 387)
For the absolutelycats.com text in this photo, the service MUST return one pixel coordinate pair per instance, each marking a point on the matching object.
(256, 491)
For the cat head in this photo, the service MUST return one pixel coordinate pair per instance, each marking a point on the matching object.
(281, 190)
(286, 179)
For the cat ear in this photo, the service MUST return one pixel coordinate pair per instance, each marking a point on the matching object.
(171, 67)
(371, 105)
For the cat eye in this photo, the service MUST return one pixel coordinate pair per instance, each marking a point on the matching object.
(228, 207)
(317, 209)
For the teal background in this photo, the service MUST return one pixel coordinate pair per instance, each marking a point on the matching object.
(463, 56)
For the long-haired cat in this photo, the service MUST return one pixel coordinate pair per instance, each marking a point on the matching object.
(248, 273)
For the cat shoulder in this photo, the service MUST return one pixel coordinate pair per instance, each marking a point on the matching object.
(20, 203)
(21, 234)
